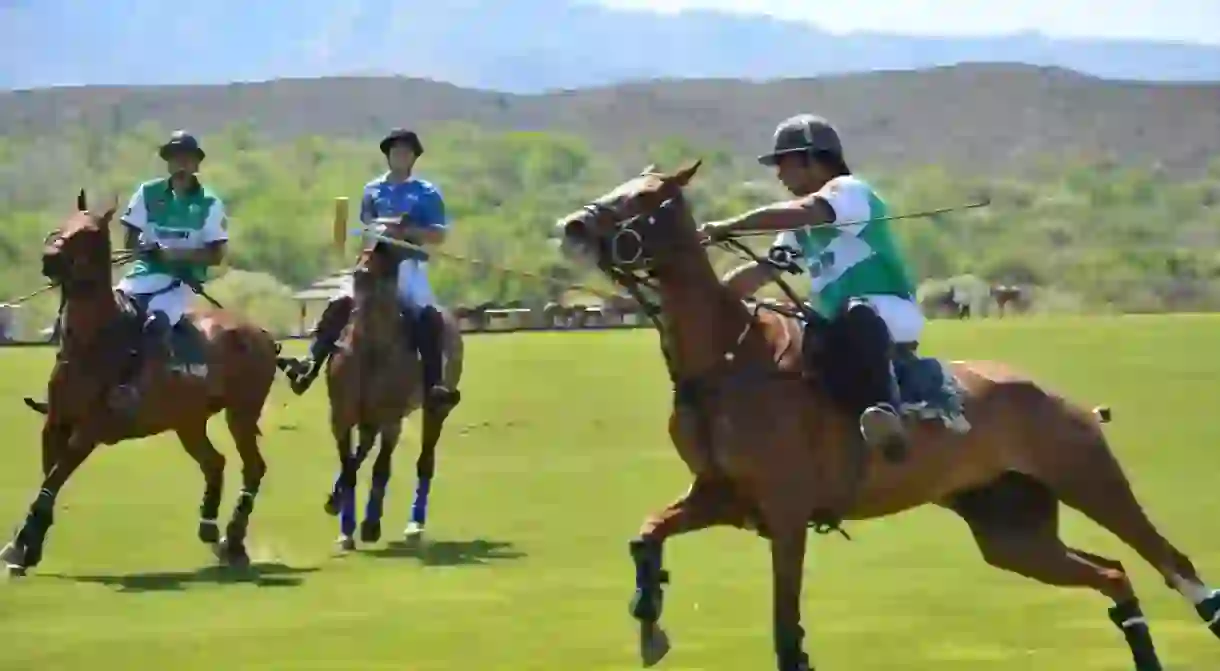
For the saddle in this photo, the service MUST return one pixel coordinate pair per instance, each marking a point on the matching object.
(927, 387)
(187, 351)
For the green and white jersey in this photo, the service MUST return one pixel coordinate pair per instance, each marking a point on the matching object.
(188, 221)
(851, 261)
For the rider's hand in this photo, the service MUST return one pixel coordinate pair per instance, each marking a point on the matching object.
(150, 248)
(714, 231)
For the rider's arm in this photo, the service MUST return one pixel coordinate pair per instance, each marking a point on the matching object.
(786, 215)
(847, 200)
(427, 224)
(745, 280)
(135, 220)
(368, 206)
(215, 239)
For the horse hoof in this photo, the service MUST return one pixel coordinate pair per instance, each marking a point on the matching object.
(15, 571)
(654, 644)
(232, 554)
(414, 533)
(346, 543)
(12, 555)
(370, 531)
(209, 533)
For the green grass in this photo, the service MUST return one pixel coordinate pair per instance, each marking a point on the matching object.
(548, 468)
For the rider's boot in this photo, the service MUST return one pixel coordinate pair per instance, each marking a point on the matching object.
(303, 371)
(880, 418)
(153, 347)
(429, 334)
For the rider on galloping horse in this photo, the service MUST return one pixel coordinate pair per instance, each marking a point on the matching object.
(179, 229)
(420, 210)
(860, 282)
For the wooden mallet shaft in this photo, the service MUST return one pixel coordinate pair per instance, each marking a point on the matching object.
(339, 224)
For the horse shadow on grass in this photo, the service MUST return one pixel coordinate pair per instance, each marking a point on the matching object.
(474, 552)
(272, 574)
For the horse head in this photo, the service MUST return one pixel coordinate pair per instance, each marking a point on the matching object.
(375, 287)
(642, 225)
(77, 254)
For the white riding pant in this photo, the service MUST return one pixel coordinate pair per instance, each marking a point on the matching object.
(903, 317)
(173, 302)
(414, 289)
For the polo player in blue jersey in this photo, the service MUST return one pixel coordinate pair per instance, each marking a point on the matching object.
(418, 212)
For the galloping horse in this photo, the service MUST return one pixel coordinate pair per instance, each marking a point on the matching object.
(768, 451)
(374, 381)
(232, 370)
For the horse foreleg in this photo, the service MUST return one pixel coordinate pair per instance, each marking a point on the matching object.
(244, 429)
(346, 478)
(55, 438)
(26, 549)
(212, 463)
(788, 534)
(370, 528)
(707, 503)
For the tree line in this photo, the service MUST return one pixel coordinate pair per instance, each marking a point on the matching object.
(1079, 237)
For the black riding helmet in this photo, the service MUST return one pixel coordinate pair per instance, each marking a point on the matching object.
(409, 137)
(181, 141)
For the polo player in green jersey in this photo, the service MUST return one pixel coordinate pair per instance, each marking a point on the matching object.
(860, 282)
(178, 228)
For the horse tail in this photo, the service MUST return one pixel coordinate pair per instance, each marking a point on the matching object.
(1102, 413)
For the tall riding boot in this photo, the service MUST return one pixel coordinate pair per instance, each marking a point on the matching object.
(302, 372)
(878, 402)
(154, 346)
(429, 335)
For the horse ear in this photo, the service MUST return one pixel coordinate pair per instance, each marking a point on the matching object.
(81, 204)
(113, 207)
(649, 169)
(684, 174)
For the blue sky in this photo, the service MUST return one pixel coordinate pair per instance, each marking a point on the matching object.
(1176, 20)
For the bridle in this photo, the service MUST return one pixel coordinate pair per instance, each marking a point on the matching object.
(636, 271)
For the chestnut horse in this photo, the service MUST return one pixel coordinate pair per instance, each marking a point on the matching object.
(374, 381)
(100, 327)
(769, 451)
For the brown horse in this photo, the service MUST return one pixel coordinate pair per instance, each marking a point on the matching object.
(1004, 296)
(769, 451)
(374, 381)
(99, 328)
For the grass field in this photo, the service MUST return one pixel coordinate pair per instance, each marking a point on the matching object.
(549, 466)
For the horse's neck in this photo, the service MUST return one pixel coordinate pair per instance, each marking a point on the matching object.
(706, 322)
(85, 316)
(376, 322)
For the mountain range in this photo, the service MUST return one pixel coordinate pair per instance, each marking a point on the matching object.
(512, 46)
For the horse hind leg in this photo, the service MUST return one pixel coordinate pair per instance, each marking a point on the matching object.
(1103, 494)
(1015, 522)
(212, 464)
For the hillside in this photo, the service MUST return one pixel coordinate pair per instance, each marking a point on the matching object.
(983, 119)
(522, 46)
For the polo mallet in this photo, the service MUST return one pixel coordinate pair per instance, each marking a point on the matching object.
(339, 225)
(843, 224)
